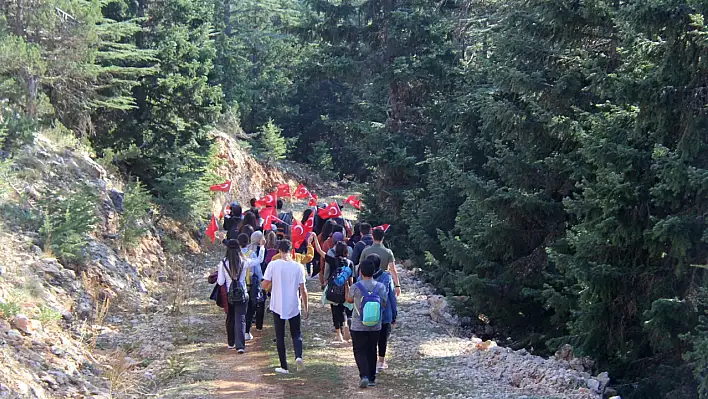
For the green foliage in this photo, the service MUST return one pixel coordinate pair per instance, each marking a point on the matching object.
(67, 222)
(8, 310)
(698, 356)
(321, 158)
(48, 316)
(16, 130)
(132, 224)
(271, 144)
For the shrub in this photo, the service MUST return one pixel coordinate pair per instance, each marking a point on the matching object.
(48, 316)
(271, 143)
(67, 223)
(15, 131)
(8, 310)
(136, 204)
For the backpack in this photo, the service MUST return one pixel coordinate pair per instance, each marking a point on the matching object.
(237, 293)
(370, 306)
(284, 228)
(335, 293)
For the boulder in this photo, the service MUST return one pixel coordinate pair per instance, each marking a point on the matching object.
(23, 323)
(565, 353)
(117, 199)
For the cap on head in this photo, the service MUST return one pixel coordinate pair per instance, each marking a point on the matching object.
(336, 237)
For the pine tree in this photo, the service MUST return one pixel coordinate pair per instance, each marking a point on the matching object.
(271, 144)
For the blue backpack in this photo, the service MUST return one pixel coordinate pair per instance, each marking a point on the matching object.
(370, 306)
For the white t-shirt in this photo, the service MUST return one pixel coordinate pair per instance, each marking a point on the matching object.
(286, 277)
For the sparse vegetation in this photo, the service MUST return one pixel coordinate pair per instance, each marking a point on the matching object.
(176, 365)
(132, 222)
(67, 223)
(9, 309)
(48, 316)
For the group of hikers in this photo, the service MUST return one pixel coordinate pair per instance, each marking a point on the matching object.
(356, 272)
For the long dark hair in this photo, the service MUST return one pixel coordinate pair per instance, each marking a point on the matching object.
(250, 219)
(233, 256)
(340, 252)
(306, 215)
(327, 229)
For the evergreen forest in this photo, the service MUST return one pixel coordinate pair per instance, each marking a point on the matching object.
(545, 162)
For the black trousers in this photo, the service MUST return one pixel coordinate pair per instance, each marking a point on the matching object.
(364, 344)
(383, 338)
(236, 325)
(339, 315)
(256, 309)
(295, 334)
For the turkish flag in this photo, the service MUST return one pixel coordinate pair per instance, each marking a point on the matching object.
(351, 200)
(269, 200)
(268, 211)
(331, 211)
(225, 187)
(302, 192)
(297, 233)
(310, 223)
(313, 200)
(212, 229)
(383, 227)
(284, 190)
(269, 221)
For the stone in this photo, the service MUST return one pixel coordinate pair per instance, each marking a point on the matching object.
(604, 379)
(593, 385)
(22, 323)
(616, 397)
(4, 326)
(565, 353)
(14, 334)
(117, 199)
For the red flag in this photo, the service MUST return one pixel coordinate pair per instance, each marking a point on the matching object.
(297, 233)
(313, 200)
(212, 229)
(331, 211)
(268, 211)
(225, 187)
(383, 227)
(269, 221)
(351, 200)
(269, 200)
(302, 192)
(310, 223)
(284, 190)
(221, 214)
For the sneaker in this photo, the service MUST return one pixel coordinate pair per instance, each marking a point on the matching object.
(364, 383)
(241, 351)
(300, 364)
(249, 336)
(379, 367)
(372, 384)
(384, 365)
(281, 371)
(231, 347)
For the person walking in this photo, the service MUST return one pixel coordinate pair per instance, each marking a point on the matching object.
(369, 298)
(337, 273)
(232, 270)
(257, 298)
(285, 279)
(390, 311)
(388, 262)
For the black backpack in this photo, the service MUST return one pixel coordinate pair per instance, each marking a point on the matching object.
(237, 293)
(335, 293)
(284, 228)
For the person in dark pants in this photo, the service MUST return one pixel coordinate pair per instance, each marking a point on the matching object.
(365, 338)
(390, 311)
(285, 279)
(232, 270)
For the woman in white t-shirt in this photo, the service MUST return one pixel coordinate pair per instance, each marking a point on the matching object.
(232, 270)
